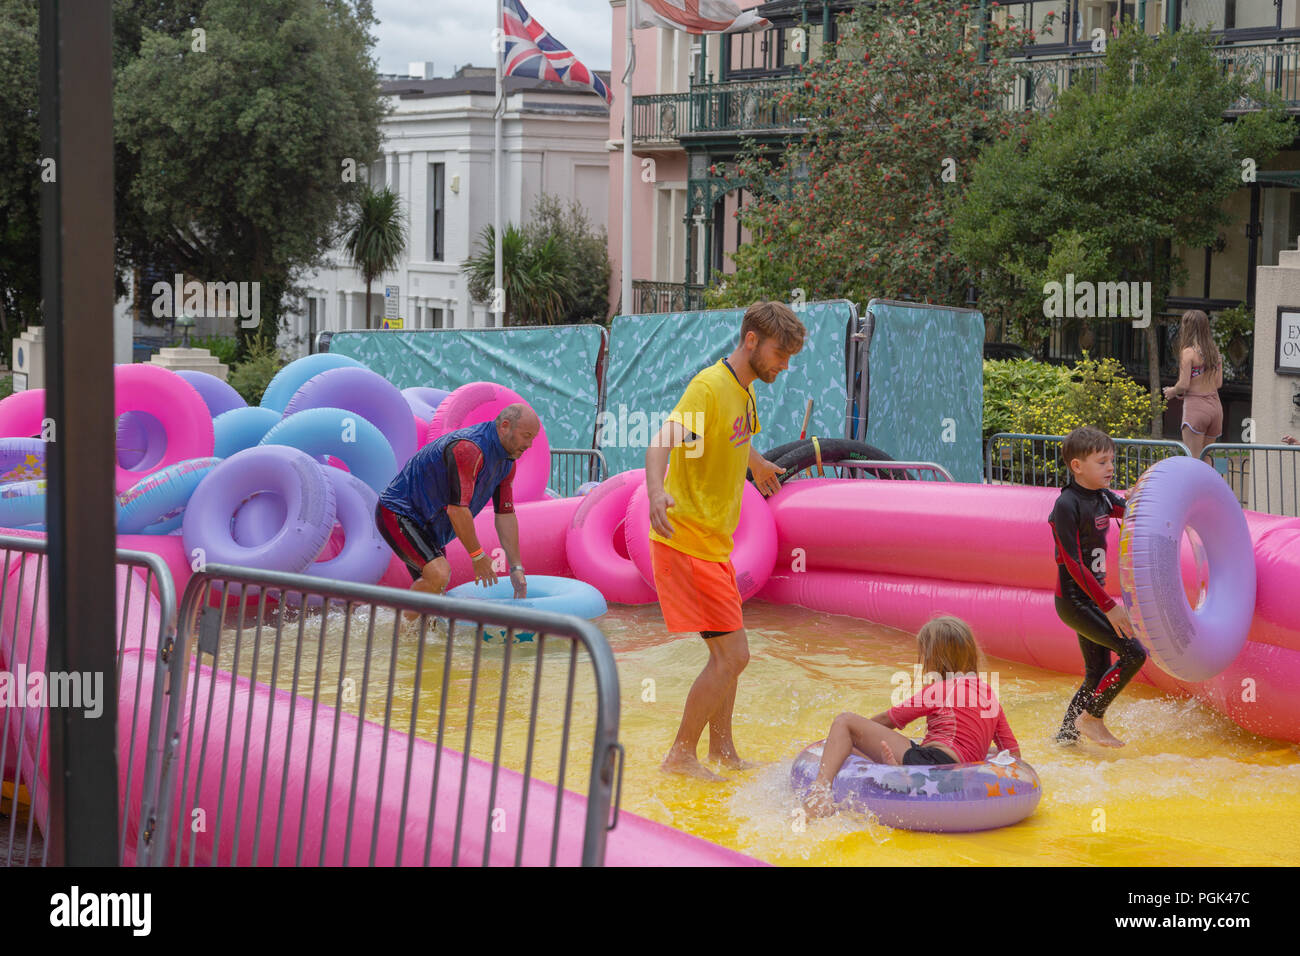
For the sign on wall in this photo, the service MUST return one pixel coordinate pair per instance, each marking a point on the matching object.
(392, 294)
(1287, 359)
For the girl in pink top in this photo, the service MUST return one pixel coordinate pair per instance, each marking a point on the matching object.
(962, 715)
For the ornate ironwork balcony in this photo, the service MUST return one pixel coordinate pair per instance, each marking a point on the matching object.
(651, 297)
(752, 106)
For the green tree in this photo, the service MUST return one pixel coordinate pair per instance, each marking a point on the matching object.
(376, 235)
(583, 256)
(20, 172)
(237, 143)
(532, 273)
(861, 206)
(1106, 185)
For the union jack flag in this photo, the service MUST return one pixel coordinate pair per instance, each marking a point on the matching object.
(531, 51)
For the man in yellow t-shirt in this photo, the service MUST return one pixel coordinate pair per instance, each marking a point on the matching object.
(705, 447)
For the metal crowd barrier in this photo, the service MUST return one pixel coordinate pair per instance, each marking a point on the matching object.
(1018, 459)
(22, 835)
(1263, 477)
(571, 467)
(925, 470)
(335, 663)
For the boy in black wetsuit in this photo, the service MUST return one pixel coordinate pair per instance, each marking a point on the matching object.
(1079, 523)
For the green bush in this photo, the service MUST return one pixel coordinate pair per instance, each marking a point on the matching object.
(250, 377)
(6, 386)
(1032, 398)
(225, 348)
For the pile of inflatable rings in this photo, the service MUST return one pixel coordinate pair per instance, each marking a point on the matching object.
(288, 485)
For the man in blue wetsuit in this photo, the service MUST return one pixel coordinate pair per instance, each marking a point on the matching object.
(444, 485)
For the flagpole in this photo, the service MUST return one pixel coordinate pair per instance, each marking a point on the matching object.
(498, 294)
(626, 293)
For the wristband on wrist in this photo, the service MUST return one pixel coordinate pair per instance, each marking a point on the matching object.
(516, 567)
(476, 555)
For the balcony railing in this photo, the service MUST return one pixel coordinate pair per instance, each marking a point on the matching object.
(734, 107)
(651, 297)
(752, 106)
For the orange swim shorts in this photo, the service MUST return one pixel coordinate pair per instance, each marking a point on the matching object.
(694, 594)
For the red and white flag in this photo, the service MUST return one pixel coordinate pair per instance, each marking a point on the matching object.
(696, 16)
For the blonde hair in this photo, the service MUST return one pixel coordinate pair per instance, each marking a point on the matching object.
(1194, 332)
(776, 320)
(946, 646)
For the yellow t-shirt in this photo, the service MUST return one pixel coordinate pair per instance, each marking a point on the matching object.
(706, 477)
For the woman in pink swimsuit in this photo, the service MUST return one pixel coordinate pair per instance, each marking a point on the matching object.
(1200, 375)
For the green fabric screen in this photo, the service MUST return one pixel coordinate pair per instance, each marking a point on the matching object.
(653, 357)
(926, 392)
(552, 367)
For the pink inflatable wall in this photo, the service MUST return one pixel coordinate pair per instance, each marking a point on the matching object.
(897, 553)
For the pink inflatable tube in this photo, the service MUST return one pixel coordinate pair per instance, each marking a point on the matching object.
(754, 554)
(1020, 624)
(596, 544)
(174, 403)
(634, 842)
(21, 414)
(481, 401)
(542, 527)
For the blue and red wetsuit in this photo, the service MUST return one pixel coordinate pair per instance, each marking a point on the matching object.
(1080, 520)
(464, 467)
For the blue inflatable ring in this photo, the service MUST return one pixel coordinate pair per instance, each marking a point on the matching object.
(156, 503)
(241, 428)
(346, 435)
(546, 592)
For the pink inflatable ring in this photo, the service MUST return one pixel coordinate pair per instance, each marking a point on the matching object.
(176, 405)
(754, 554)
(1171, 497)
(480, 402)
(594, 536)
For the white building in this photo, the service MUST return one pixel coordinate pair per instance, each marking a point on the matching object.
(437, 150)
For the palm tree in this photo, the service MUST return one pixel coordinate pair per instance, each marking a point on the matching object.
(532, 272)
(375, 235)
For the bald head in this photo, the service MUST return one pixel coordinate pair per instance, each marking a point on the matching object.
(517, 426)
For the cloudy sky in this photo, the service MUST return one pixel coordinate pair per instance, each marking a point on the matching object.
(452, 33)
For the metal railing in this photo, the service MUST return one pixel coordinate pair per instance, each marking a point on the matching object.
(572, 467)
(312, 724)
(652, 298)
(1018, 459)
(861, 468)
(1263, 477)
(660, 119)
(146, 632)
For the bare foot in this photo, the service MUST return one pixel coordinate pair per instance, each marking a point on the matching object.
(887, 754)
(688, 767)
(818, 802)
(1095, 730)
(731, 760)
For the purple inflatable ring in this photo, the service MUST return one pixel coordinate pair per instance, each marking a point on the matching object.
(21, 459)
(365, 555)
(288, 380)
(369, 395)
(943, 798)
(216, 393)
(289, 473)
(424, 401)
(1171, 497)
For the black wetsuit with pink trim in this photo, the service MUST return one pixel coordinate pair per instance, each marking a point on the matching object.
(1080, 520)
